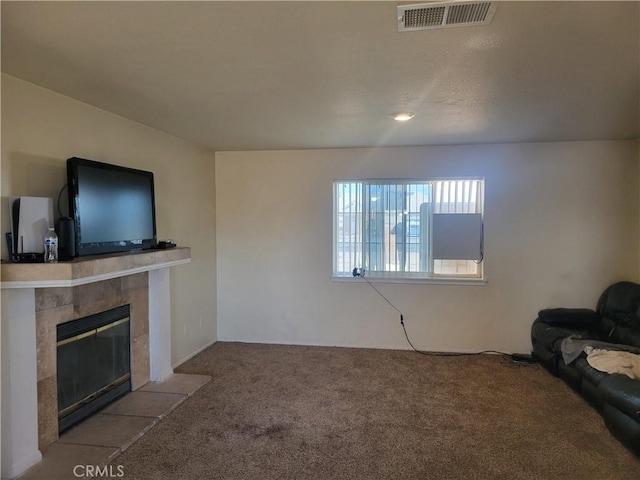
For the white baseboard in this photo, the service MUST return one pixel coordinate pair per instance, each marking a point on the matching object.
(191, 355)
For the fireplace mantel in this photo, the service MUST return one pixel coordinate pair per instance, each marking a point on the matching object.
(89, 269)
(19, 285)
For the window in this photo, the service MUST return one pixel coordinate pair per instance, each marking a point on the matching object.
(408, 229)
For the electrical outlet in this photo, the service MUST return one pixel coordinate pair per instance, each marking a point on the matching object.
(200, 322)
(184, 329)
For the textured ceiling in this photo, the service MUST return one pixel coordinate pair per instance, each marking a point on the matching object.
(282, 75)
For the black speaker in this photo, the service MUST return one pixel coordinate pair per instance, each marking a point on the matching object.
(66, 238)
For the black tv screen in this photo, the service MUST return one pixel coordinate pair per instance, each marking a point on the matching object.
(113, 207)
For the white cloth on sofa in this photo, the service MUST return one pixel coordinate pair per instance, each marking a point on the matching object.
(611, 361)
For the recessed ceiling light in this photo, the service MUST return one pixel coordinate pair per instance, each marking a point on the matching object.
(402, 116)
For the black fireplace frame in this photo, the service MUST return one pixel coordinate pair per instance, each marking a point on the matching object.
(85, 328)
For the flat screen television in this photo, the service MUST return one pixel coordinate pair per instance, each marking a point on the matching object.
(113, 207)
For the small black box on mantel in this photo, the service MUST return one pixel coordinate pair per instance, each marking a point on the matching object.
(66, 238)
(165, 244)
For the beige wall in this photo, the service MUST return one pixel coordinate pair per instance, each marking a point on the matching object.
(41, 129)
(561, 223)
(561, 220)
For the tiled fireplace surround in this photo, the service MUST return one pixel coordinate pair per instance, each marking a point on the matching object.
(37, 298)
(58, 305)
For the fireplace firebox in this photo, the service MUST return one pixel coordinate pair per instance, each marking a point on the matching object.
(93, 364)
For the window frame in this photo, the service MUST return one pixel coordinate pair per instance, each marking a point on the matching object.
(428, 276)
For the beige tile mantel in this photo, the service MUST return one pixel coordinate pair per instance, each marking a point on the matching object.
(85, 270)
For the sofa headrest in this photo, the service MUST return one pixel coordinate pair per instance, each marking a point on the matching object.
(621, 303)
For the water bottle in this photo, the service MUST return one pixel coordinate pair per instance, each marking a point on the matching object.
(51, 247)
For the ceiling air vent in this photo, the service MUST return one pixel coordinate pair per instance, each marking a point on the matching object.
(444, 15)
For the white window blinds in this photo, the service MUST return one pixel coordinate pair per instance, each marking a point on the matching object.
(388, 227)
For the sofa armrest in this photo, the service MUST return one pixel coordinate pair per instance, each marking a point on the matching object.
(583, 318)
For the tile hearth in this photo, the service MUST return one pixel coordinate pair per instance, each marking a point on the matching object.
(100, 439)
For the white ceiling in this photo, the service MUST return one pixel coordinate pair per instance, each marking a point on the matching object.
(295, 74)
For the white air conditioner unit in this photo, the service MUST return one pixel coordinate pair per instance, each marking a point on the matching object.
(457, 236)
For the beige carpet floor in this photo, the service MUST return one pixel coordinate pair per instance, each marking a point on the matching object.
(290, 412)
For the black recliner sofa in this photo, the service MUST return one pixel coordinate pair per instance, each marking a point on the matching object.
(615, 321)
